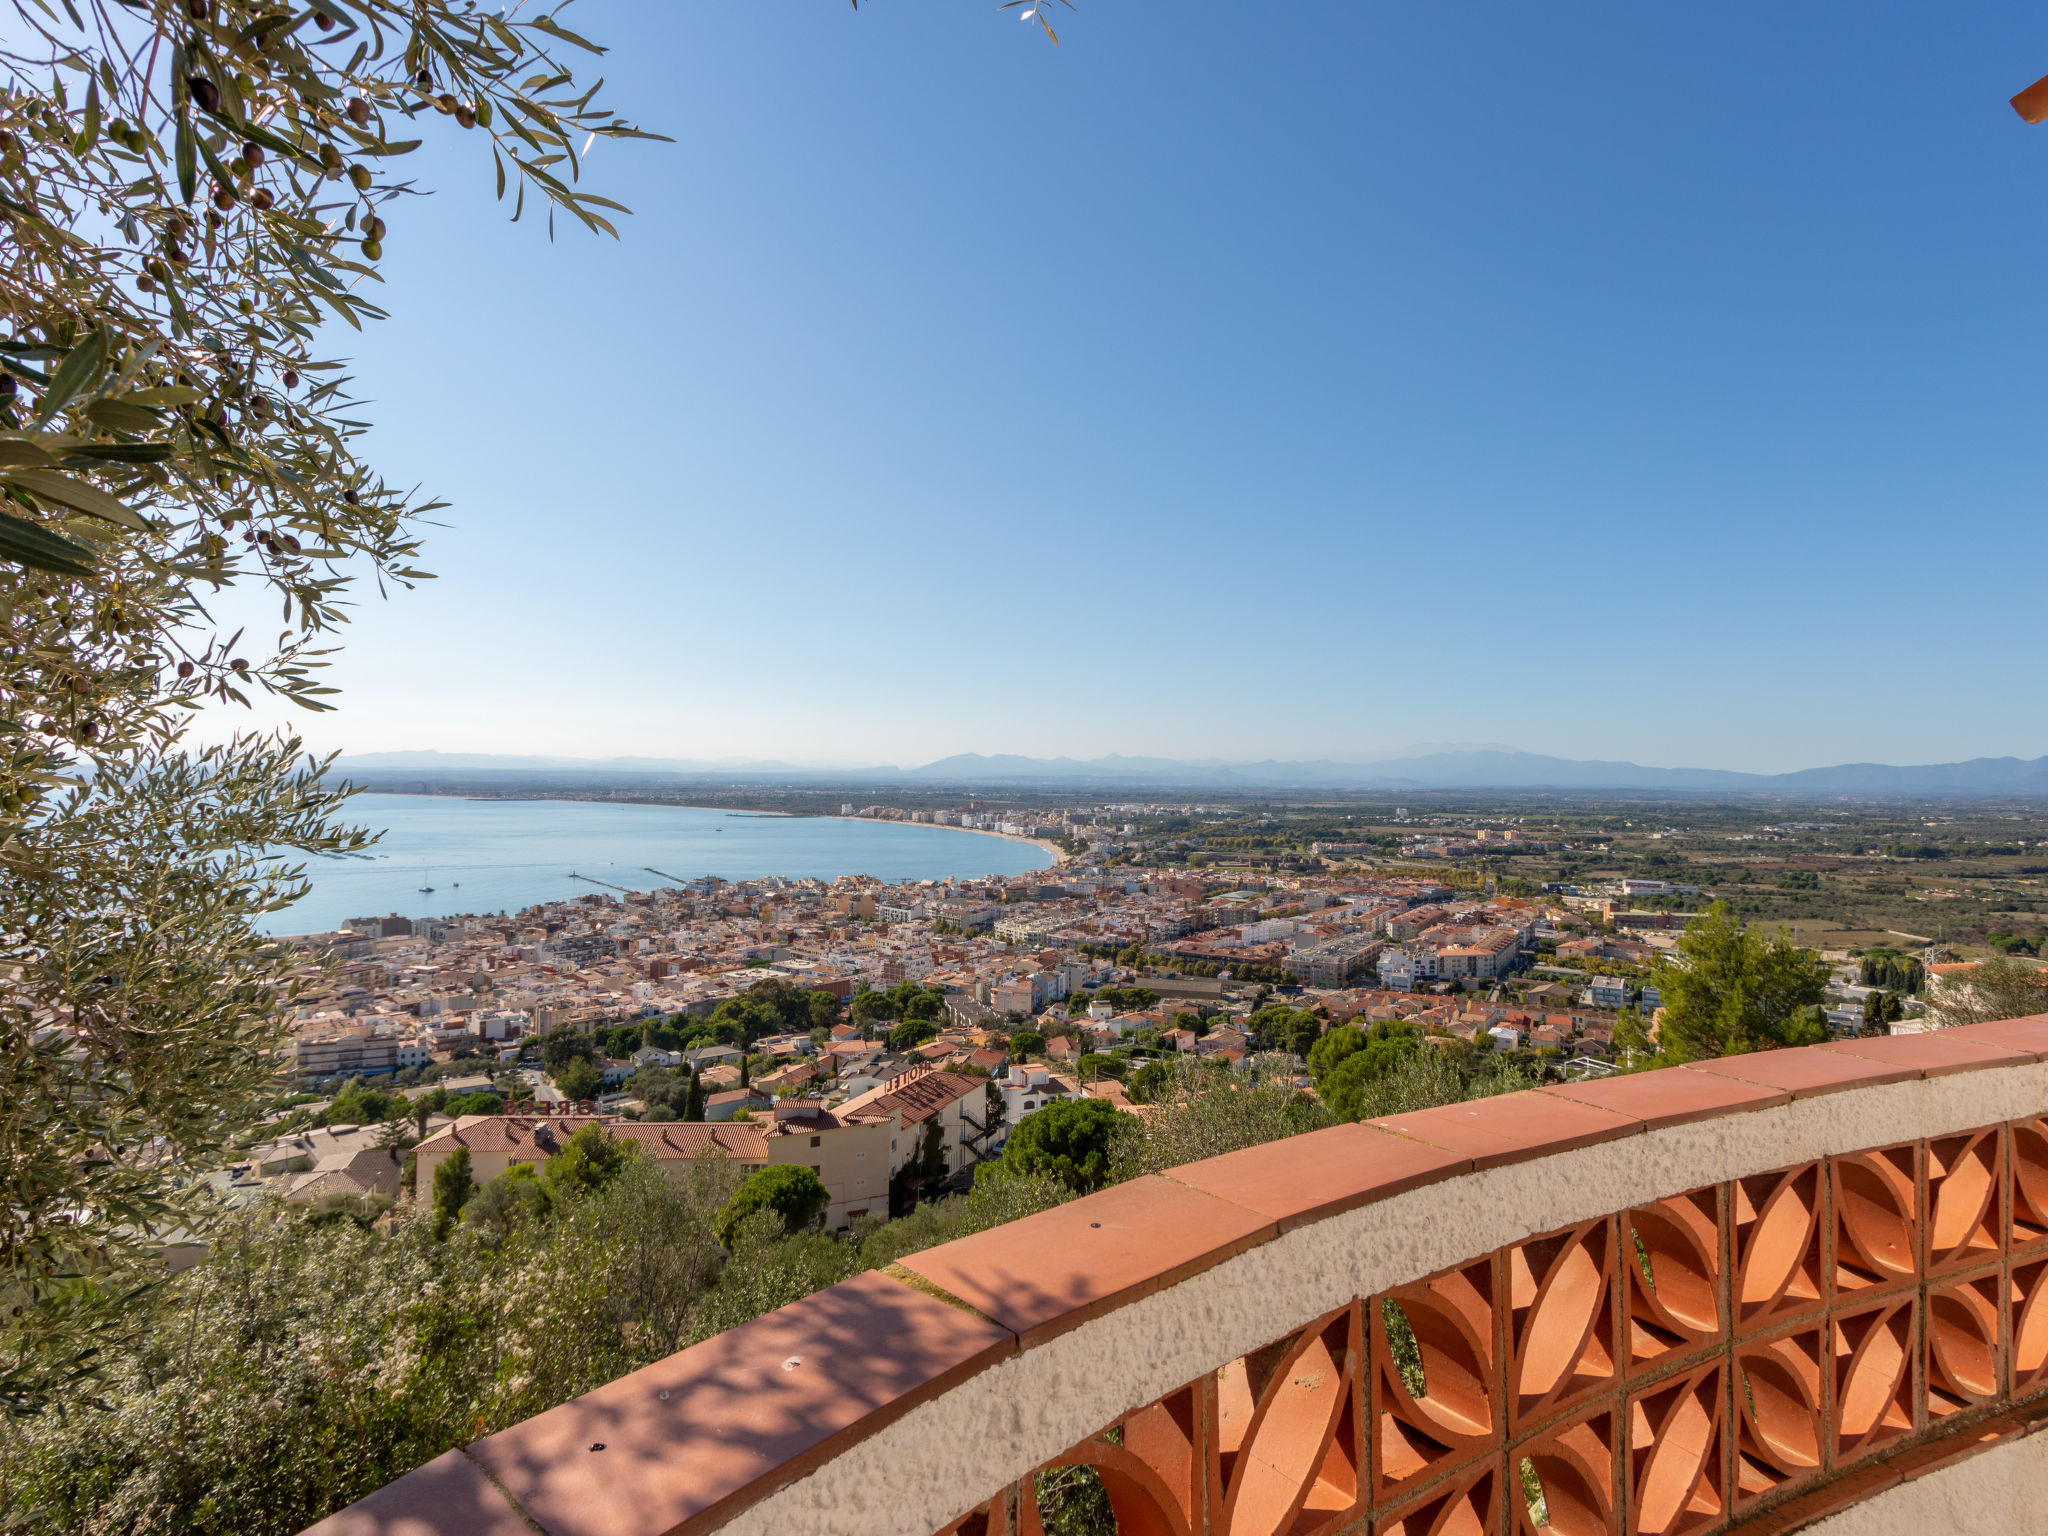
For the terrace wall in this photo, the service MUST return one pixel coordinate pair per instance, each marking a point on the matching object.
(1752, 1294)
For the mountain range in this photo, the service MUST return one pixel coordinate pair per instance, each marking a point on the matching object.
(1433, 767)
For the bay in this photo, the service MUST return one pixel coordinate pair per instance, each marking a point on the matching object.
(502, 855)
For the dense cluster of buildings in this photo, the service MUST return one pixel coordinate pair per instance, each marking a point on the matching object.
(1053, 952)
(401, 994)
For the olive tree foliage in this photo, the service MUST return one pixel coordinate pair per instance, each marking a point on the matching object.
(1998, 988)
(1203, 1108)
(189, 190)
(309, 1362)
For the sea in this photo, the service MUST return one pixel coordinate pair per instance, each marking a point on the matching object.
(441, 855)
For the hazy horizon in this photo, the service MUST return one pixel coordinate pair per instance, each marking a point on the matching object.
(427, 756)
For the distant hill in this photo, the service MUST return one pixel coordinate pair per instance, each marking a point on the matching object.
(1487, 767)
(1505, 768)
(516, 763)
(1481, 768)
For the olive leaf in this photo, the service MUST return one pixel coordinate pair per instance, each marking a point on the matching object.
(29, 544)
(76, 494)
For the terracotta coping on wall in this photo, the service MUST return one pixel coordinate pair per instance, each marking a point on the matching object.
(737, 1424)
(684, 1443)
(1803, 1073)
(2029, 1035)
(1514, 1127)
(1310, 1178)
(450, 1494)
(1935, 1055)
(1053, 1271)
(1671, 1098)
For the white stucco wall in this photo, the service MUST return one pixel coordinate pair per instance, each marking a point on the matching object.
(2000, 1492)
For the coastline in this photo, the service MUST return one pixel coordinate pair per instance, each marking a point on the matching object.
(677, 805)
(1059, 855)
(488, 854)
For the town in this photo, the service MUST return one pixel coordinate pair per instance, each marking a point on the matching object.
(891, 1037)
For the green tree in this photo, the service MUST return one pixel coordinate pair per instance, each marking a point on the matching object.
(1387, 1047)
(563, 1044)
(1293, 1030)
(426, 1106)
(1026, 1042)
(453, 1185)
(1204, 1109)
(360, 1105)
(1099, 1064)
(1070, 1140)
(241, 1352)
(1339, 1042)
(931, 1151)
(1361, 1057)
(693, 1101)
(1151, 1081)
(1881, 1010)
(1631, 1039)
(1738, 990)
(515, 1195)
(912, 1033)
(578, 1080)
(791, 1192)
(190, 190)
(1128, 998)
(588, 1161)
(871, 1007)
(1894, 971)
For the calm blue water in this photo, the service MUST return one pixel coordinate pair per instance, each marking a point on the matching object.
(501, 855)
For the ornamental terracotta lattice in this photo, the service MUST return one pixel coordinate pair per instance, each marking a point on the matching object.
(1686, 1366)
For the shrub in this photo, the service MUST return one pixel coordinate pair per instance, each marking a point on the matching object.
(578, 1079)
(912, 1033)
(1070, 1141)
(793, 1193)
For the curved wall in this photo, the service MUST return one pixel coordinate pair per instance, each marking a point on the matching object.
(1739, 1295)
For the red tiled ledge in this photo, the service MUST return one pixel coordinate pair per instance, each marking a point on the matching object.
(681, 1446)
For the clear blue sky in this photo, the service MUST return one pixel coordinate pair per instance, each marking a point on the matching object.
(1618, 380)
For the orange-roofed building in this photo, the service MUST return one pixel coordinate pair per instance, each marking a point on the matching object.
(908, 1101)
(851, 1159)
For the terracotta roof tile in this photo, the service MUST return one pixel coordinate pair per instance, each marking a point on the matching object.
(917, 1094)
